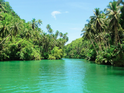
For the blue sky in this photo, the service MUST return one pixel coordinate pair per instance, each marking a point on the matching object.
(64, 15)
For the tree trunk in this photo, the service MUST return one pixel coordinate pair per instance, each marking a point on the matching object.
(116, 36)
(93, 45)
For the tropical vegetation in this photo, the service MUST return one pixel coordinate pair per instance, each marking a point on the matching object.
(102, 37)
(21, 40)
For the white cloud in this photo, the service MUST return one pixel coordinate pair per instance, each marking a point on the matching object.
(54, 13)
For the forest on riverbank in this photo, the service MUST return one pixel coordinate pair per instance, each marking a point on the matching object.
(21, 40)
(102, 37)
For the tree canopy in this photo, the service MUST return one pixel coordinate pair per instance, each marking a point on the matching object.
(20, 40)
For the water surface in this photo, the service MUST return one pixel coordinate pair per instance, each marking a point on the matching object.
(60, 76)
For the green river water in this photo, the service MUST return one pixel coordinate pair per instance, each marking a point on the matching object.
(60, 76)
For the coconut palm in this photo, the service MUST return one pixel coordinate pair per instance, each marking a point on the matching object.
(35, 23)
(27, 31)
(6, 26)
(2, 6)
(56, 34)
(88, 33)
(17, 26)
(49, 29)
(113, 12)
(97, 20)
(61, 34)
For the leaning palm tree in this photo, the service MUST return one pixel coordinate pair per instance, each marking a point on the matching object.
(113, 12)
(88, 34)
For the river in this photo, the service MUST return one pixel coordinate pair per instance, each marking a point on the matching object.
(60, 76)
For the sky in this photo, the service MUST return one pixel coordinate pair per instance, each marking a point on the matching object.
(63, 15)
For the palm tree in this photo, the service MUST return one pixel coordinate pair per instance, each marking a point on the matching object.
(6, 26)
(66, 39)
(28, 31)
(122, 13)
(56, 34)
(17, 26)
(98, 21)
(87, 34)
(113, 12)
(65, 35)
(39, 22)
(49, 29)
(61, 34)
(2, 6)
(35, 23)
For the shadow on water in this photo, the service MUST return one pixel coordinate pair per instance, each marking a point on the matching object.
(104, 78)
(107, 69)
(60, 76)
(115, 71)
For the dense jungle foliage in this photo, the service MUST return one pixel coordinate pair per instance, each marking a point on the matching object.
(102, 37)
(73, 50)
(20, 40)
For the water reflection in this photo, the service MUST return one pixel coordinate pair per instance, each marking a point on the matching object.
(101, 79)
(60, 76)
